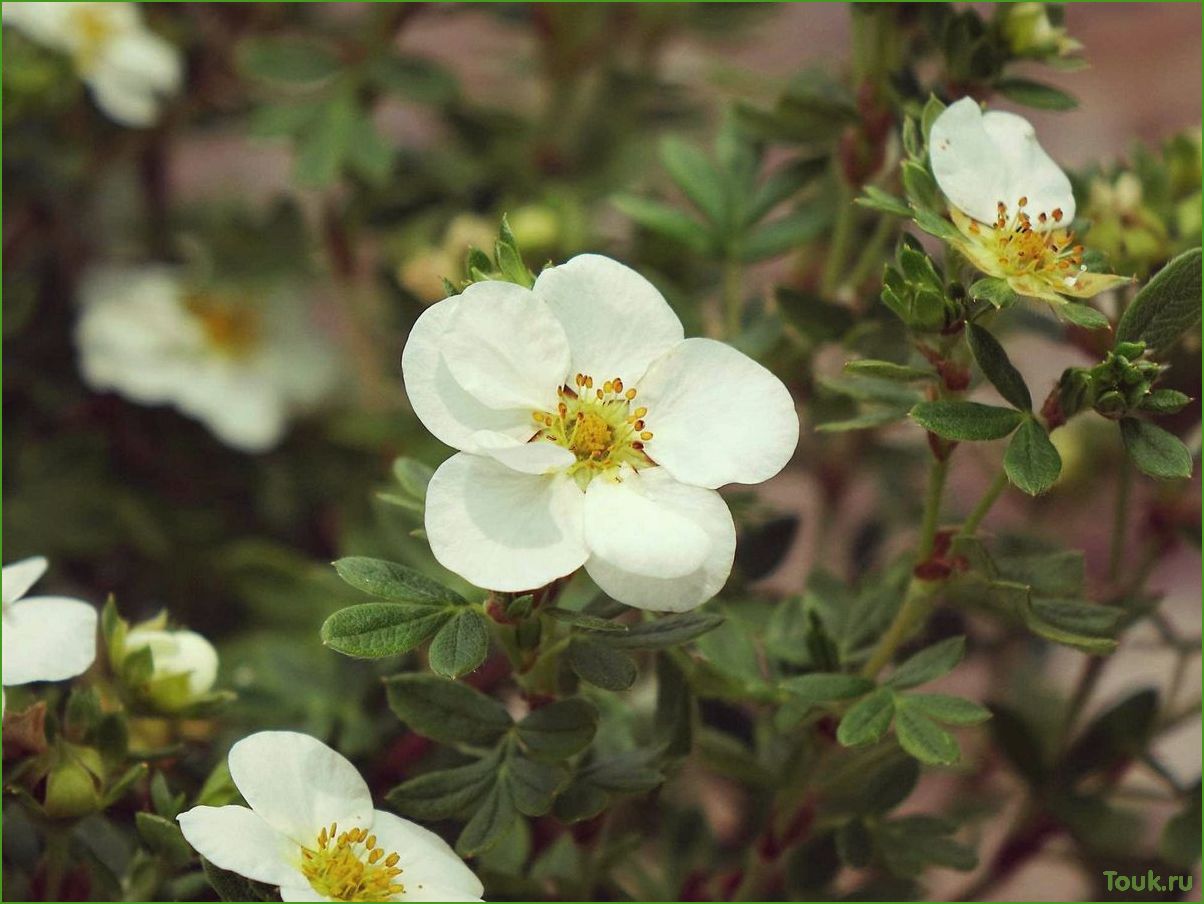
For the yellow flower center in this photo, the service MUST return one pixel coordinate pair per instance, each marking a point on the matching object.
(232, 328)
(348, 866)
(599, 425)
(1023, 245)
(93, 27)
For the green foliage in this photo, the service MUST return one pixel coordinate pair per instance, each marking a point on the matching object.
(1166, 307)
(966, 421)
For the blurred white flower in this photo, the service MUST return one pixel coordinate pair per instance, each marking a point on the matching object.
(128, 67)
(312, 831)
(184, 665)
(1011, 203)
(591, 432)
(239, 365)
(45, 638)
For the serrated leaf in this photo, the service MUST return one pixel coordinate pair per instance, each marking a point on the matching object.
(559, 730)
(949, 709)
(1032, 461)
(1155, 451)
(461, 644)
(923, 738)
(446, 711)
(868, 719)
(1166, 307)
(929, 663)
(375, 630)
(998, 368)
(391, 581)
(601, 665)
(966, 421)
(666, 631)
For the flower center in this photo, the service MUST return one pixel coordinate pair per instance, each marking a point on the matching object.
(598, 425)
(1020, 248)
(232, 329)
(350, 867)
(94, 27)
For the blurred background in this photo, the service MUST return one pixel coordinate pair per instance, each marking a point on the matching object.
(324, 167)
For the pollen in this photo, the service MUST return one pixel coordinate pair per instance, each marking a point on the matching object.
(231, 327)
(1022, 244)
(598, 425)
(348, 866)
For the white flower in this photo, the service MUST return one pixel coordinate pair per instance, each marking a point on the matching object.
(184, 665)
(45, 638)
(312, 831)
(240, 365)
(127, 66)
(1011, 203)
(591, 433)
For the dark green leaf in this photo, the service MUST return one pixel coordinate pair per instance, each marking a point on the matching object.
(966, 421)
(1180, 842)
(1166, 307)
(998, 368)
(422, 80)
(696, 176)
(1035, 94)
(876, 199)
(1154, 451)
(533, 784)
(1080, 313)
(821, 687)
(912, 844)
(391, 581)
(375, 630)
(233, 887)
(676, 708)
(948, 709)
(1048, 574)
(887, 370)
(868, 720)
(287, 59)
(1164, 401)
(1117, 734)
(1085, 626)
(923, 738)
(560, 729)
(584, 621)
(854, 844)
(446, 793)
(461, 644)
(494, 818)
(601, 665)
(782, 184)
(784, 234)
(1019, 742)
(163, 836)
(662, 219)
(322, 149)
(920, 186)
(666, 631)
(446, 711)
(996, 292)
(1032, 462)
(929, 664)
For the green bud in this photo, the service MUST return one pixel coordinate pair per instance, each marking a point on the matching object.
(1111, 404)
(73, 785)
(1073, 390)
(1130, 350)
(164, 671)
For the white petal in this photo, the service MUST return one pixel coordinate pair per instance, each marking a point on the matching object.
(239, 840)
(632, 531)
(240, 404)
(431, 871)
(123, 99)
(47, 638)
(501, 529)
(538, 457)
(981, 159)
(505, 347)
(18, 577)
(300, 891)
(178, 653)
(298, 784)
(146, 58)
(704, 508)
(445, 407)
(717, 416)
(617, 322)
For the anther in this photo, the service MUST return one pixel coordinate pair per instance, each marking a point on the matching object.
(1023, 202)
(618, 385)
(1057, 214)
(630, 394)
(641, 411)
(392, 859)
(646, 435)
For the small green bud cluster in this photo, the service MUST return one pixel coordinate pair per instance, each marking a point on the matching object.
(1121, 384)
(915, 290)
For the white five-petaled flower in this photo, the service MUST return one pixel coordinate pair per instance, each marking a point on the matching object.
(239, 364)
(45, 638)
(591, 432)
(184, 665)
(128, 67)
(311, 830)
(1011, 203)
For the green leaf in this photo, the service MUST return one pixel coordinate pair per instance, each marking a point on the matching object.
(887, 370)
(935, 225)
(784, 234)
(933, 108)
(697, 177)
(493, 819)
(823, 687)
(533, 784)
(1080, 313)
(422, 80)
(948, 709)
(391, 581)
(923, 738)
(559, 730)
(584, 621)
(929, 664)
(447, 792)
(912, 844)
(676, 708)
(322, 148)
(1166, 307)
(461, 645)
(601, 665)
(1059, 573)
(1180, 842)
(1155, 451)
(868, 720)
(233, 887)
(781, 184)
(994, 291)
(413, 475)
(1032, 462)
(375, 630)
(1164, 401)
(446, 711)
(163, 837)
(866, 421)
(1119, 733)
(296, 60)
(1090, 627)
(876, 199)
(666, 631)
(966, 421)
(998, 368)
(1035, 94)
(854, 844)
(667, 221)
(920, 186)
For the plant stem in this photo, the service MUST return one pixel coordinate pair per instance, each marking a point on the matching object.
(1120, 520)
(733, 297)
(932, 507)
(842, 233)
(985, 504)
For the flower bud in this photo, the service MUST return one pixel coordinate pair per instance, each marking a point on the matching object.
(73, 784)
(182, 667)
(1030, 32)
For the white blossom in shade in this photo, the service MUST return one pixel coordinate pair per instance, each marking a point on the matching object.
(239, 364)
(184, 665)
(45, 638)
(1011, 203)
(591, 432)
(129, 69)
(310, 829)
